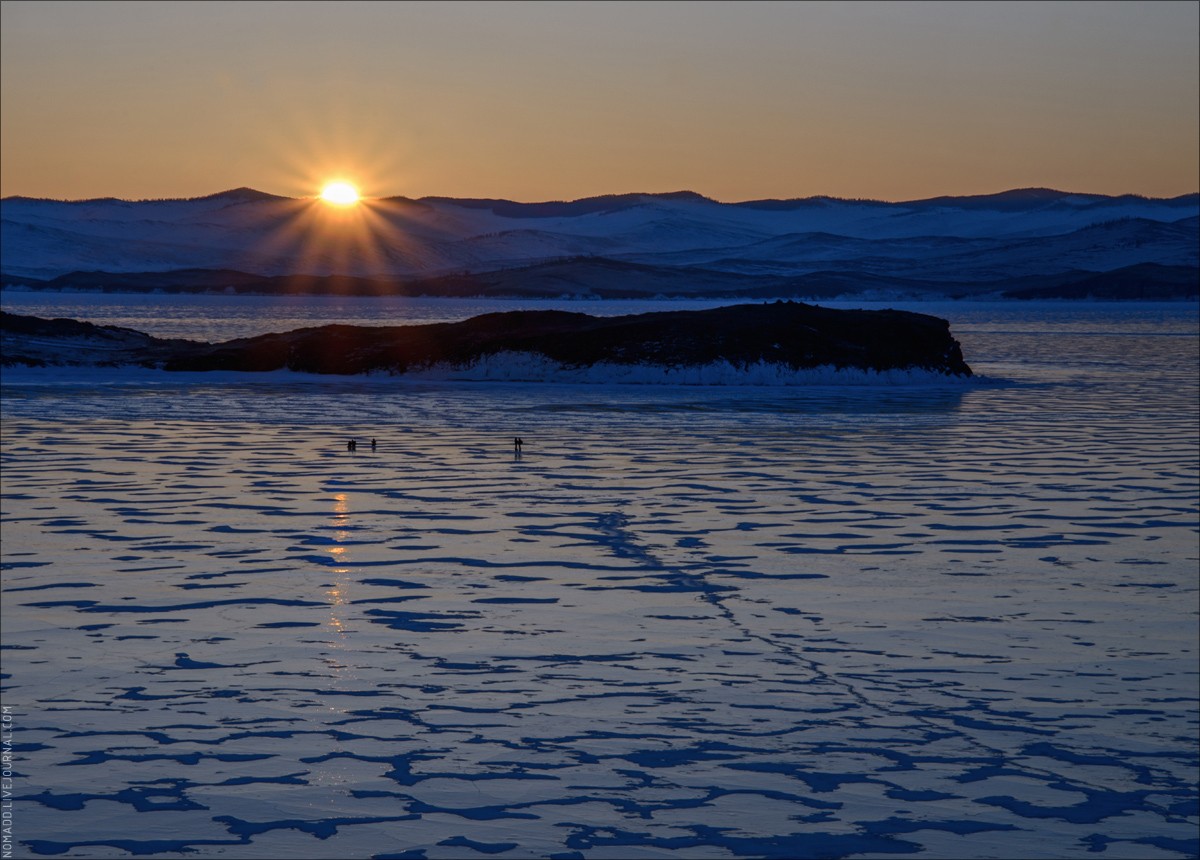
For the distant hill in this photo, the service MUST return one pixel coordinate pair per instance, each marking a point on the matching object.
(1143, 281)
(676, 243)
(608, 279)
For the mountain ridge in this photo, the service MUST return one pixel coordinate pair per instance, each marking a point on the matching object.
(949, 241)
(597, 277)
(248, 193)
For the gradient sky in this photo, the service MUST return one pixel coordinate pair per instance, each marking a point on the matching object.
(549, 100)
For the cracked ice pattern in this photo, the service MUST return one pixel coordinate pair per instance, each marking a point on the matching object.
(685, 623)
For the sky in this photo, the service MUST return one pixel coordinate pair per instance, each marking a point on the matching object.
(561, 100)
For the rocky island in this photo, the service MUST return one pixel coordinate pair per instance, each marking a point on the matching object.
(782, 336)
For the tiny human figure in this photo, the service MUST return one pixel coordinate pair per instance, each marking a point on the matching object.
(372, 444)
(517, 443)
(352, 445)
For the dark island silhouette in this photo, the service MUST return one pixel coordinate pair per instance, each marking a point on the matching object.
(787, 334)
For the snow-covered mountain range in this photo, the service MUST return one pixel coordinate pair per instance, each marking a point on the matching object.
(678, 243)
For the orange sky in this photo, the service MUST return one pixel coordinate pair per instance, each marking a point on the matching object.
(538, 101)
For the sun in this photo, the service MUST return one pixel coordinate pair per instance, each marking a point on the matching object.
(340, 194)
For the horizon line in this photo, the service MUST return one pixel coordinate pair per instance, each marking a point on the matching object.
(244, 190)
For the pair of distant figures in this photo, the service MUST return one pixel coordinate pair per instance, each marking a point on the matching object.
(352, 445)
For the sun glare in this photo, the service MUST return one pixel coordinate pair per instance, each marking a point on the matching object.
(340, 194)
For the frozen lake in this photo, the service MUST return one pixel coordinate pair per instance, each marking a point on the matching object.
(949, 620)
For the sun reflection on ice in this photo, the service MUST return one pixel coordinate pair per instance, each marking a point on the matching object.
(337, 592)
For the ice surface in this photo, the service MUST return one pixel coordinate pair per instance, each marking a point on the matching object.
(685, 622)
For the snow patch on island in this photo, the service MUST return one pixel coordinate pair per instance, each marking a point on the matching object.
(532, 367)
(503, 367)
